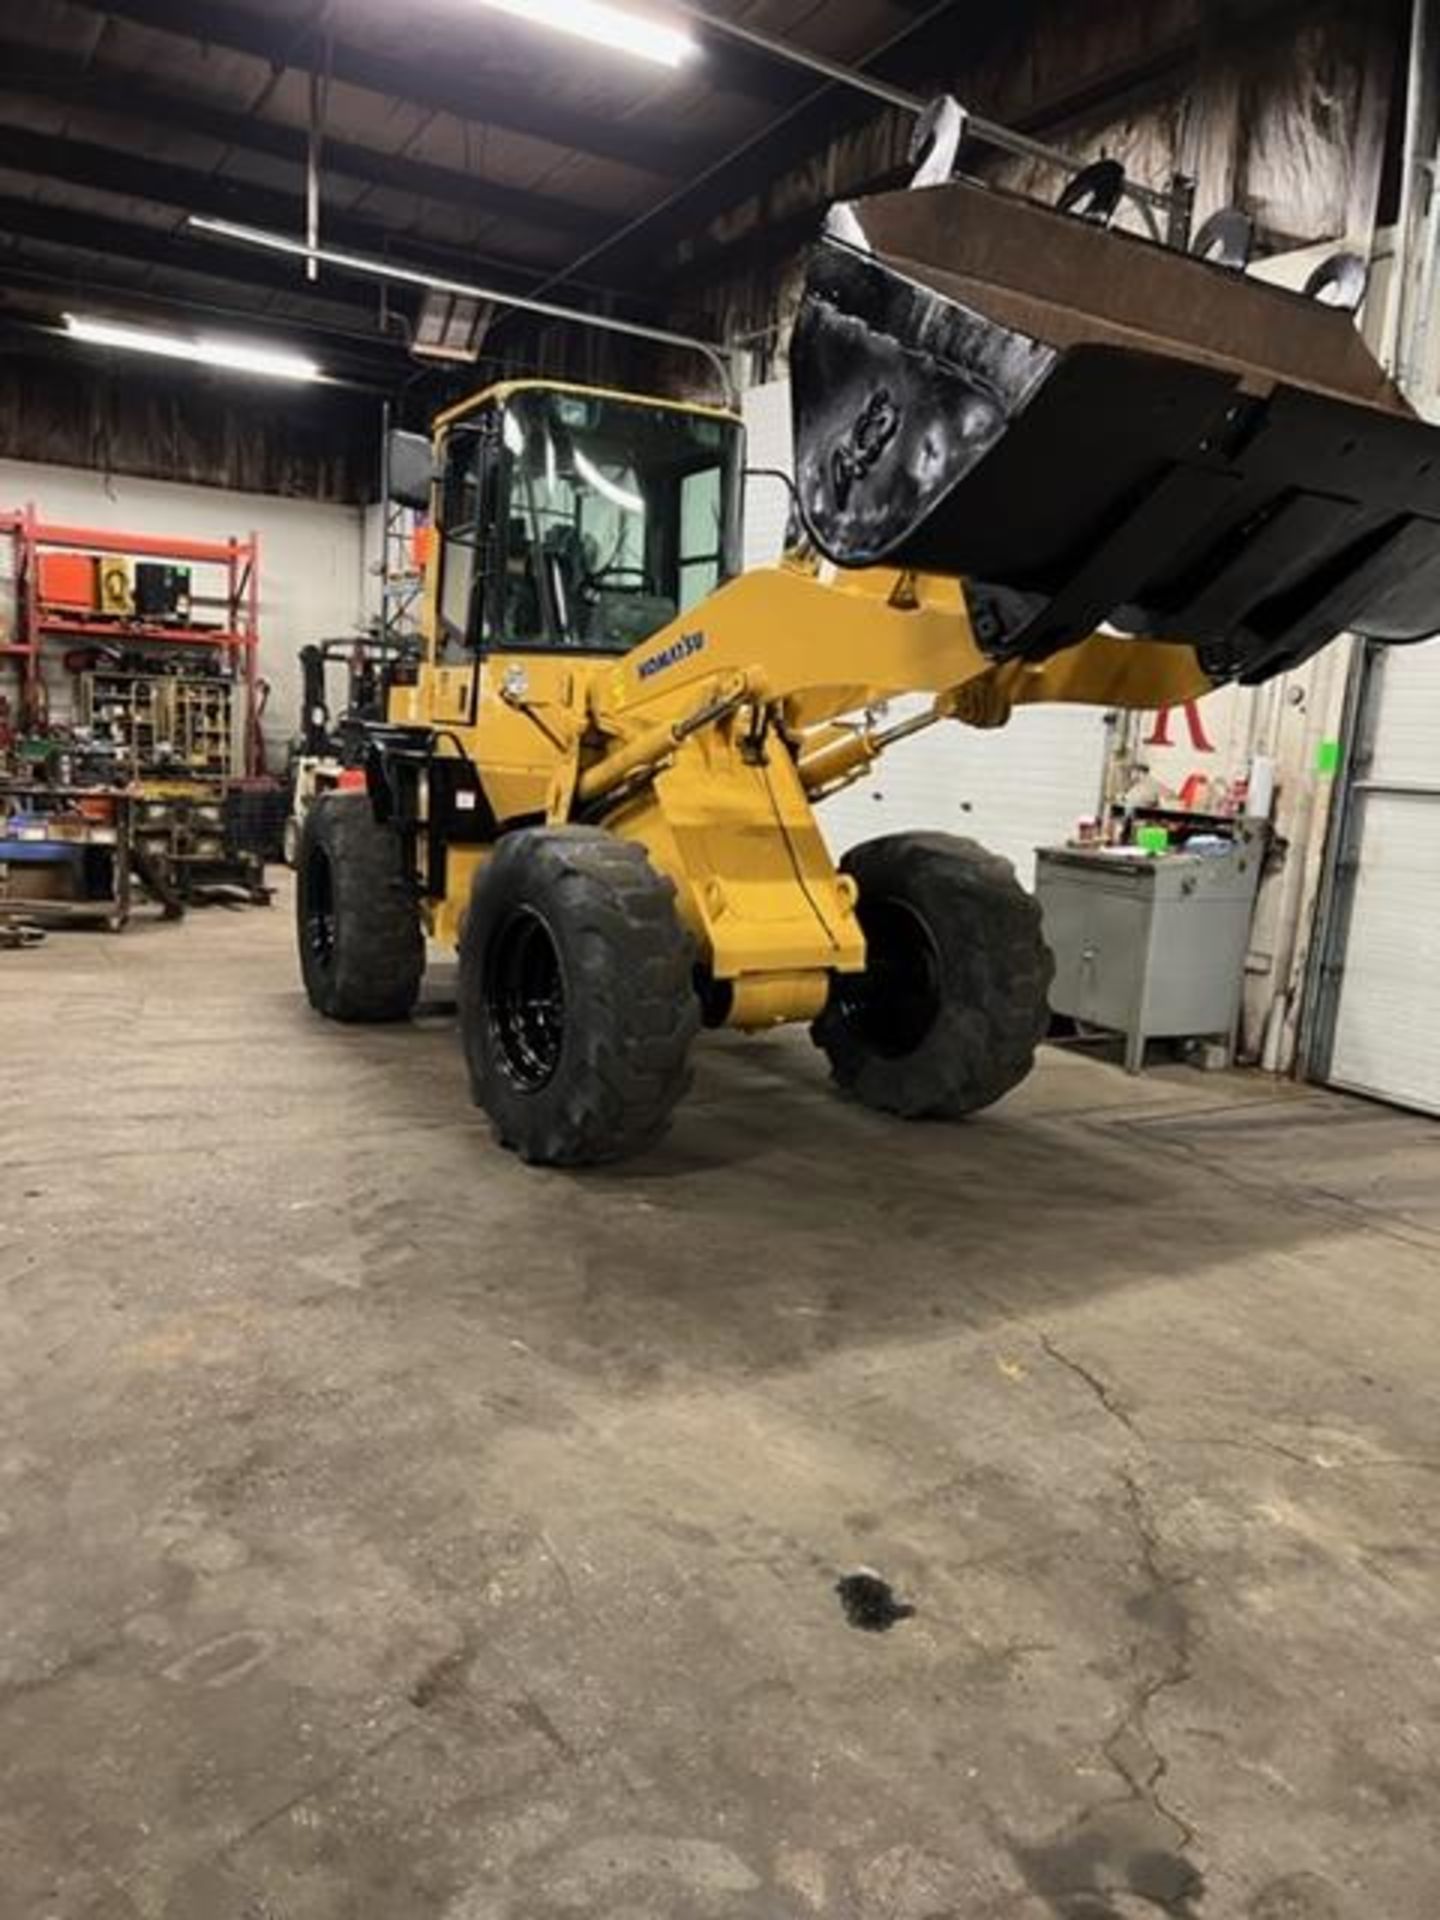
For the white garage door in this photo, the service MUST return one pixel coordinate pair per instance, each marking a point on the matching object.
(1387, 1028)
(1021, 787)
(1016, 789)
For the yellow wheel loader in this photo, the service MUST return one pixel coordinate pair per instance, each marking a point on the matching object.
(1037, 459)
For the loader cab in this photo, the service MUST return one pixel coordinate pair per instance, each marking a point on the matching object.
(579, 521)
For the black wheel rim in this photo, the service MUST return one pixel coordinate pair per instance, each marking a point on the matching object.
(895, 1003)
(525, 999)
(320, 907)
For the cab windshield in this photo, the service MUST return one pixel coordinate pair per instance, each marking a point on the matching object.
(621, 517)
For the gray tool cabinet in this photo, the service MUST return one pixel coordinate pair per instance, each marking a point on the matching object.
(1151, 945)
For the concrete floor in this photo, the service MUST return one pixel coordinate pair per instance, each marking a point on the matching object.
(388, 1531)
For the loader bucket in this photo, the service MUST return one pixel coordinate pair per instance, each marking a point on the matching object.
(1092, 428)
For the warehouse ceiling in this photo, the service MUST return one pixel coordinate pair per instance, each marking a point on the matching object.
(455, 137)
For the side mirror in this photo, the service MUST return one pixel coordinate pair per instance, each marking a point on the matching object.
(410, 470)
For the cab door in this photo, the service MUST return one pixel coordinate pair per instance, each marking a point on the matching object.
(465, 583)
(503, 703)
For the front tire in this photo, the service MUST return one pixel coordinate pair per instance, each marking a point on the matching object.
(577, 999)
(362, 950)
(953, 1001)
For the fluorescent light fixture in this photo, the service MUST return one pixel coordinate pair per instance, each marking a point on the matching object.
(230, 355)
(608, 26)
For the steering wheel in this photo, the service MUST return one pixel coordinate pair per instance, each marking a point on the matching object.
(599, 577)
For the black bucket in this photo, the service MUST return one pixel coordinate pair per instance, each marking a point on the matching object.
(1091, 429)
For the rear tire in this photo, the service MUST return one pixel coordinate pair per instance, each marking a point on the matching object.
(952, 1004)
(577, 998)
(362, 951)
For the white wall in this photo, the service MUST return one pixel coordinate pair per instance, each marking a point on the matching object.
(1020, 787)
(769, 442)
(313, 582)
(1013, 788)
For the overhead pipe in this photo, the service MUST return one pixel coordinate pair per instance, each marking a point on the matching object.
(1175, 203)
(979, 128)
(720, 357)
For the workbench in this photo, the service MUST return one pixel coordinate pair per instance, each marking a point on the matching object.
(45, 832)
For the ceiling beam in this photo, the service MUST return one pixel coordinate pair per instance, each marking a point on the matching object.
(934, 44)
(62, 247)
(95, 235)
(339, 369)
(86, 164)
(1127, 87)
(444, 85)
(75, 82)
(35, 292)
(930, 55)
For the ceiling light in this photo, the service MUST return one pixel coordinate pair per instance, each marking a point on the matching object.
(609, 26)
(230, 355)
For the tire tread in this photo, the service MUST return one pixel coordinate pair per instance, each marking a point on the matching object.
(379, 946)
(631, 973)
(996, 973)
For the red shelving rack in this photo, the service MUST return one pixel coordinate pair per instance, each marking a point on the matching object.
(17, 648)
(238, 632)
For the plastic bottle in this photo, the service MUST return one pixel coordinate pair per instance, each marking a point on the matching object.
(1260, 797)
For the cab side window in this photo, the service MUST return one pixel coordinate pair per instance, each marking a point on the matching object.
(702, 535)
(467, 532)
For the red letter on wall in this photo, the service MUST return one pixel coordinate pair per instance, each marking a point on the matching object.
(1161, 736)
